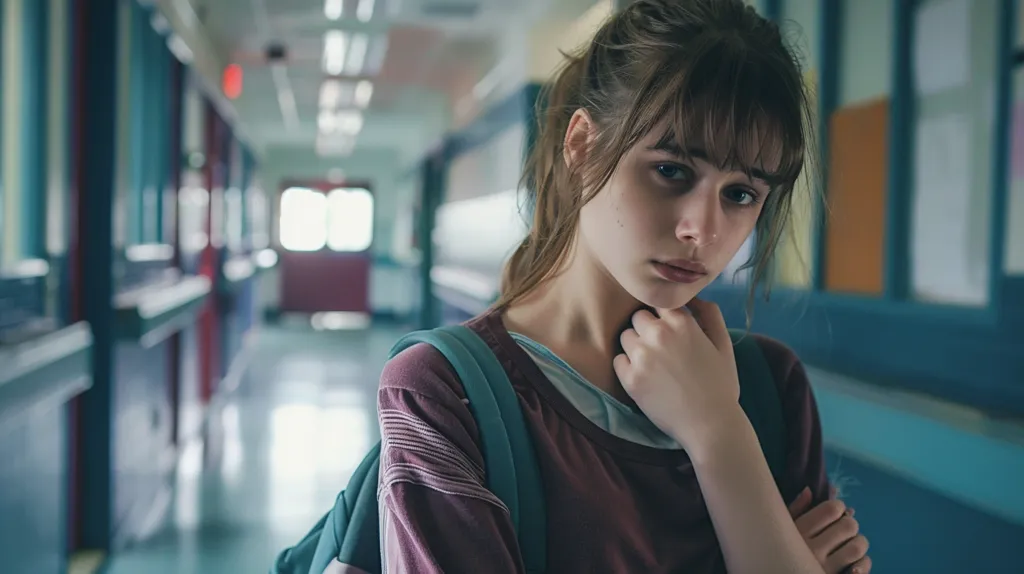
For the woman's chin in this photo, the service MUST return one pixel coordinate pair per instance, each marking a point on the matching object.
(667, 296)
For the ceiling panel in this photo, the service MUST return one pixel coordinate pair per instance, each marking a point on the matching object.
(434, 50)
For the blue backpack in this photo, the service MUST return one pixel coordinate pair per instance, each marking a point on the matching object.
(350, 532)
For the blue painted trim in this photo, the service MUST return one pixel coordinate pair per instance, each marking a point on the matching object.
(138, 146)
(98, 58)
(829, 41)
(67, 216)
(900, 182)
(3, 191)
(960, 454)
(162, 119)
(969, 356)
(431, 192)
(34, 115)
(1001, 148)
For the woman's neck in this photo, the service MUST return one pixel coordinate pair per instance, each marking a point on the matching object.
(579, 314)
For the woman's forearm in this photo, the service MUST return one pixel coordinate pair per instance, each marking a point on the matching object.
(754, 528)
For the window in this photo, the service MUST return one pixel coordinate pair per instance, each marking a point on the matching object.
(350, 219)
(954, 58)
(303, 219)
(799, 25)
(865, 54)
(341, 220)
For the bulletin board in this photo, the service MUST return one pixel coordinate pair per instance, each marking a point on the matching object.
(855, 232)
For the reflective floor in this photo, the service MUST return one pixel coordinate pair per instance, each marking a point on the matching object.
(278, 449)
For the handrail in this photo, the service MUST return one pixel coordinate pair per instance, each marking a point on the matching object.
(43, 371)
(153, 313)
(955, 450)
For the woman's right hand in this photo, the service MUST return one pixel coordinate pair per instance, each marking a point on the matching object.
(832, 534)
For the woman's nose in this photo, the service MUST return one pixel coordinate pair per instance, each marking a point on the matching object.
(700, 215)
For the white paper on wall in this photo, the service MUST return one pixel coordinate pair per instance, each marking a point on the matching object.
(942, 46)
(943, 268)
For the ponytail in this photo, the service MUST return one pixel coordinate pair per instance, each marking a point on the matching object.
(555, 201)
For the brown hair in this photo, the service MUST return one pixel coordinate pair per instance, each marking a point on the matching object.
(718, 71)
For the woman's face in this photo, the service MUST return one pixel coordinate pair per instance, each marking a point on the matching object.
(668, 221)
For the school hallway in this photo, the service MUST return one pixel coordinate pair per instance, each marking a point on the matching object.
(217, 216)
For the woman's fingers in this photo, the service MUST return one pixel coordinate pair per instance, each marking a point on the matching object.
(816, 520)
(850, 558)
(801, 504)
(709, 317)
(837, 536)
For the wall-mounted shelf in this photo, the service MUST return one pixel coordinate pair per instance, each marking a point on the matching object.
(43, 371)
(151, 314)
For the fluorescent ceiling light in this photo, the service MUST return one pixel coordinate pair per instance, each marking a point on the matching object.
(357, 54)
(364, 91)
(334, 52)
(333, 8)
(365, 10)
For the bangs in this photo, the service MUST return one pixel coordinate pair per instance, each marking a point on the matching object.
(738, 108)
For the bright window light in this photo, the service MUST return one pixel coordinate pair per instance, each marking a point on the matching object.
(349, 121)
(330, 93)
(364, 91)
(357, 54)
(333, 9)
(350, 219)
(334, 52)
(303, 219)
(365, 10)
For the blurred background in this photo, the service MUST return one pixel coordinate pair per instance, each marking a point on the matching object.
(216, 216)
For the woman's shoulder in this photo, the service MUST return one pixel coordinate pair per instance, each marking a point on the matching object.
(785, 365)
(424, 370)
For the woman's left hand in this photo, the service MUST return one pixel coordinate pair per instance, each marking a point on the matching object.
(832, 534)
(680, 369)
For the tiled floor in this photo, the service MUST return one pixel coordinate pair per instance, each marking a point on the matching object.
(278, 450)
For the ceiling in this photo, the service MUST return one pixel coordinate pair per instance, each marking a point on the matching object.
(420, 56)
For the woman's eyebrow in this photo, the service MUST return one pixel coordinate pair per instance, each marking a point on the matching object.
(670, 147)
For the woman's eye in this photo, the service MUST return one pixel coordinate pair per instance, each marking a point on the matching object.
(741, 196)
(669, 171)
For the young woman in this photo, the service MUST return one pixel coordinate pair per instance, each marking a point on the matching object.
(677, 133)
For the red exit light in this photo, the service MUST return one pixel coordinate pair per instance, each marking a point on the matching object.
(232, 81)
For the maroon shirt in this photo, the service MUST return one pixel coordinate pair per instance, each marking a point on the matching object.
(612, 505)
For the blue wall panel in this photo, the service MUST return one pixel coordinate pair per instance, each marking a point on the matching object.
(142, 429)
(33, 481)
(912, 529)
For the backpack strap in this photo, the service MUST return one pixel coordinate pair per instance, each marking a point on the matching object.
(759, 398)
(512, 472)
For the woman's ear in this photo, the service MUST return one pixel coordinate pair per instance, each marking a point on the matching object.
(578, 136)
